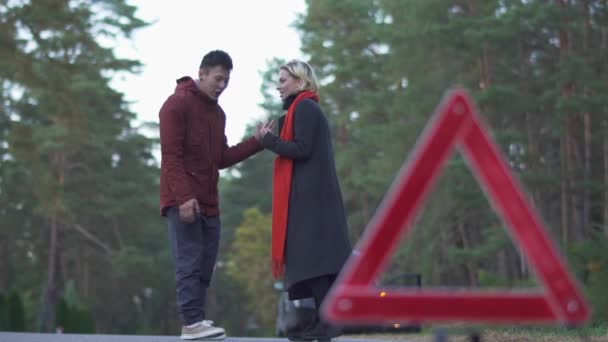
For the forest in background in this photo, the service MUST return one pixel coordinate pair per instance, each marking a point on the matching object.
(81, 241)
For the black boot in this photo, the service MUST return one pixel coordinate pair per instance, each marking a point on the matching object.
(297, 334)
(297, 337)
(321, 332)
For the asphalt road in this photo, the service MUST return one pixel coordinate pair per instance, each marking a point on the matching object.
(34, 337)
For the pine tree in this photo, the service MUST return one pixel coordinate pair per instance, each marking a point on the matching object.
(75, 172)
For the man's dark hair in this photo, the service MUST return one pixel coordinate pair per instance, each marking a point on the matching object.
(215, 58)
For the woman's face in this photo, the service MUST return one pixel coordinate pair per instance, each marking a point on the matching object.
(288, 85)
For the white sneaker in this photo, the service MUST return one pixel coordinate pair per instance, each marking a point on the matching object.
(203, 330)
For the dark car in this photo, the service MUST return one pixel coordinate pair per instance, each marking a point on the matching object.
(295, 315)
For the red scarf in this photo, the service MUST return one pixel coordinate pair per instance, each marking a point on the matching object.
(281, 185)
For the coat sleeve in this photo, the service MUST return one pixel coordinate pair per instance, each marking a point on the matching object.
(172, 135)
(305, 125)
(239, 152)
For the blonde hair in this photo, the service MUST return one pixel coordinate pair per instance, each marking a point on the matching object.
(302, 71)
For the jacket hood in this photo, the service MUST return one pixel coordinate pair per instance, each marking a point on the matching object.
(187, 84)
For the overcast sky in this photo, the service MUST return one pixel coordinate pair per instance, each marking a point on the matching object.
(252, 32)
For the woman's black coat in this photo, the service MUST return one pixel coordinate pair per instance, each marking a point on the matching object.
(317, 240)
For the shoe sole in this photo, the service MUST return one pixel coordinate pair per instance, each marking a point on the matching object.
(213, 337)
(322, 338)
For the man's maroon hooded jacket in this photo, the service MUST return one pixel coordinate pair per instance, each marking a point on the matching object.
(194, 147)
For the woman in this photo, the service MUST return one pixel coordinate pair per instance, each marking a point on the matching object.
(309, 233)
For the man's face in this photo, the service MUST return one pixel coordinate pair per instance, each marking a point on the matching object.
(213, 81)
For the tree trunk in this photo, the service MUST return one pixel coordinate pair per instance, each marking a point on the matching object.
(502, 265)
(50, 295)
(566, 146)
(564, 192)
(4, 266)
(47, 318)
(586, 222)
(604, 47)
(466, 245)
(573, 169)
(86, 278)
(533, 157)
(437, 276)
(605, 154)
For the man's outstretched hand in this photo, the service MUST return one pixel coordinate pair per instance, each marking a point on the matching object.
(189, 210)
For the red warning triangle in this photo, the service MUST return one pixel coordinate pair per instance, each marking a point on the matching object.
(355, 299)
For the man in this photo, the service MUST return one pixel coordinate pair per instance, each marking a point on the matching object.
(193, 149)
